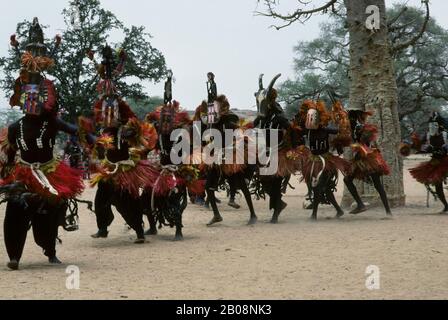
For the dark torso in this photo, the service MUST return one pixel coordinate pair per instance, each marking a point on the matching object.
(274, 121)
(165, 146)
(226, 122)
(121, 150)
(34, 137)
(318, 140)
(437, 142)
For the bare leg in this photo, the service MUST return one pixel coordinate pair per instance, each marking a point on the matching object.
(441, 195)
(210, 186)
(360, 207)
(16, 224)
(332, 199)
(379, 187)
(145, 204)
(152, 225)
(233, 184)
(316, 200)
(245, 190)
(103, 209)
(276, 198)
(212, 200)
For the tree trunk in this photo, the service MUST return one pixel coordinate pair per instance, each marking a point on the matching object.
(373, 87)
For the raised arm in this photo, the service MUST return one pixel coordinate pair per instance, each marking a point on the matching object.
(72, 129)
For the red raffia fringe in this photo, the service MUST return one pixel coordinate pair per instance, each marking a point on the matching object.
(66, 180)
(372, 163)
(143, 175)
(431, 172)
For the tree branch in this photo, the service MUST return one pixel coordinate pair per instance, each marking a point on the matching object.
(395, 19)
(412, 41)
(298, 15)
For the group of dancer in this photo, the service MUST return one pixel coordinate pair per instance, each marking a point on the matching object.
(133, 163)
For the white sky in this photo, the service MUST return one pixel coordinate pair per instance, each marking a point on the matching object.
(198, 36)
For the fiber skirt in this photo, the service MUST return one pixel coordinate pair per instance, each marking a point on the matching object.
(430, 172)
(62, 182)
(313, 165)
(372, 163)
(171, 177)
(291, 161)
(129, 178)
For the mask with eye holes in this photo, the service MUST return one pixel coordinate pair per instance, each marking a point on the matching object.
(312, 119)
(266, 97)
(110, 112)
(32, 99)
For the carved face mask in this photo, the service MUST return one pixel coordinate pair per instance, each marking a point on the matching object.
(31, 99)
(110, 112)
(312, 119)
(204, 119)
(262, 103)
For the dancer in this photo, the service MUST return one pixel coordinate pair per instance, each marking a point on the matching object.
(368, 164)
(198, 127)
(320, 169)
(221, 119)
(435, 171)
(37, 185)
(271, 118)
(119, 150)
(166, 200)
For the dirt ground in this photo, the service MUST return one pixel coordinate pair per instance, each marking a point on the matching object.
(296, 259)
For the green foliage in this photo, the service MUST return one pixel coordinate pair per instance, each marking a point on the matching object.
(75, 75)
(421, 69)
(142, 107)
(8, 116)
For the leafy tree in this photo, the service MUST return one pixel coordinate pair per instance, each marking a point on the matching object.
(88, 27)
(421, 69)
(371, 74)
(8, 116)
(142, 107)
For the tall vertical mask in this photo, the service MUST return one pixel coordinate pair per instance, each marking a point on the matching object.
(167, 117)
(168, 94)
(36, 44)
(168, 112)
(110, 112)
(213, 113)
(212, 105)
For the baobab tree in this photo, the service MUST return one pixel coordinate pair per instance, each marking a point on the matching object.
(372, 77)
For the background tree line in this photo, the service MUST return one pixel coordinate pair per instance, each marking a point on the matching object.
(88, 26)
(421, 69)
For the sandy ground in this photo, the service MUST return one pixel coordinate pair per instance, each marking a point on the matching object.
(296, 259)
